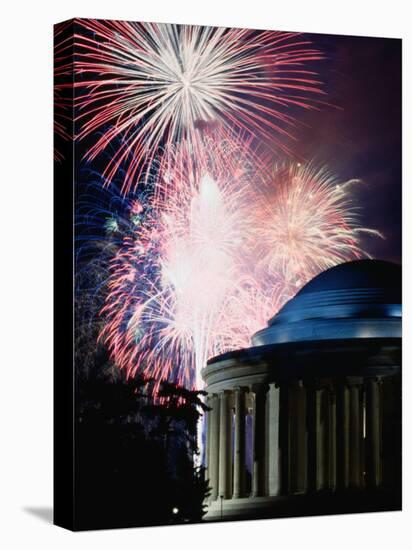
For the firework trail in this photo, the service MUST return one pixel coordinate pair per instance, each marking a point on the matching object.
(62, 89)
(222, 246)
(156, 85)
(180, 276)
(309, 222)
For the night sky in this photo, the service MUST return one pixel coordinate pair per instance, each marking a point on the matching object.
(359, 135)
(356, 133)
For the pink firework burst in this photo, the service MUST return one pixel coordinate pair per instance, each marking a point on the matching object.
(178, 283)
(222, 247)
(308, 223)
(152, 85)
(63, 88)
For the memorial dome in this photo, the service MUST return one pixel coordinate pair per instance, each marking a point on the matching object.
(309, 415)
(358, 299)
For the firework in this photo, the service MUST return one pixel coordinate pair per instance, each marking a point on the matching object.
(308, 223)
(154, 85)
(62, 89)
(181, 276)
(204, 257)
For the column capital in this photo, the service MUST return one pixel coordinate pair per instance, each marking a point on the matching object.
(374, 378)
(258, 388)
(240, 389)
(295, 383)
(354, 381)
(312, 384)
(212, 395)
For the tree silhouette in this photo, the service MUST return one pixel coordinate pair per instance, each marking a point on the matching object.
(135, 453)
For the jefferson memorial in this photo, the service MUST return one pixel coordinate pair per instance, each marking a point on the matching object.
(308, 419)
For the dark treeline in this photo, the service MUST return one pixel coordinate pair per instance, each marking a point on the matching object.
(134, 454)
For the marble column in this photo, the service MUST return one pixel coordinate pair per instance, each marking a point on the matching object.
(214, 447)
(373, 433)
(224, 446)
(298, 439)
(342, 435)
(239, 471)
(208, 435)
(332, 438)
(312, 428)
(362, 434)
(284, 429)
(259, 397)
(354, 435)
(273, 440)
(317, 412)
(322, 419)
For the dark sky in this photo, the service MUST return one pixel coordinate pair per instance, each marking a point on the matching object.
(362, 137)
(357, 134)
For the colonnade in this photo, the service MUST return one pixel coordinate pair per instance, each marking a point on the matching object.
(307, 436)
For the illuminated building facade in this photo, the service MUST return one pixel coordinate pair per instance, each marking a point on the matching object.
(308, 419)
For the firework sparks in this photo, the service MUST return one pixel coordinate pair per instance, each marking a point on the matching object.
(309, 223)
(202, 260)
(178, 279)
(63, 87)
(154, 85)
